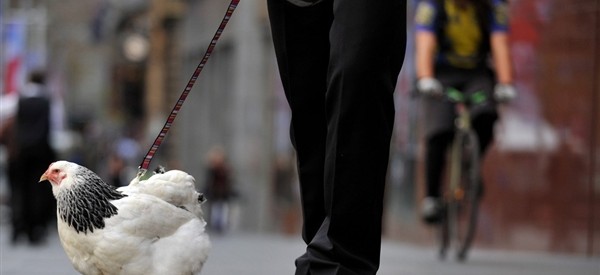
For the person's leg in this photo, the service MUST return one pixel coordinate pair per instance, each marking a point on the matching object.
(38, 198)
(367, 49)
(483, 124)
(439, 116)
(301, 40)
(485, 114)
(435, 159)
(17, 198)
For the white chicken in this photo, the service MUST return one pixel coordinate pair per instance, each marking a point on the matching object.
(154, 226)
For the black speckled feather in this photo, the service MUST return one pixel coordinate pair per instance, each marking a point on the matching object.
(85, 206)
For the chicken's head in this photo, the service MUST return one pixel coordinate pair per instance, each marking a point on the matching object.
(57, 173)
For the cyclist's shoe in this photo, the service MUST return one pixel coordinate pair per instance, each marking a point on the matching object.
(431, 210)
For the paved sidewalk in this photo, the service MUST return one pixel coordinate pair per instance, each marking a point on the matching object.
(249, 254)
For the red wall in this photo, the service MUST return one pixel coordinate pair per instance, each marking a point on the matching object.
(547, 197)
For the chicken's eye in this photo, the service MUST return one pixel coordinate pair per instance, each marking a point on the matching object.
(55, 171)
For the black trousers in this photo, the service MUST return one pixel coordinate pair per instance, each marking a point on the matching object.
(339, 61)
(32, 203)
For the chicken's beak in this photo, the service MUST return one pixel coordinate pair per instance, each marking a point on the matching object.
(44, 177)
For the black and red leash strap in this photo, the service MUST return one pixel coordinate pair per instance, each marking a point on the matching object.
(163, 133)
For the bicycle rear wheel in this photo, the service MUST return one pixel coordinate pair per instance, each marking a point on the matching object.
(463, 199)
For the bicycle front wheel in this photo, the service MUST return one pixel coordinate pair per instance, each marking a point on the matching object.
(463, 204)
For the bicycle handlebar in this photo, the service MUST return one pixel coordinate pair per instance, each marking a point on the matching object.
(457, 96)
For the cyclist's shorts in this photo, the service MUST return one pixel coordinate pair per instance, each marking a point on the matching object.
(439, 114)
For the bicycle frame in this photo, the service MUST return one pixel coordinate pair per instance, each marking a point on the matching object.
(461, 200)
(462, 125)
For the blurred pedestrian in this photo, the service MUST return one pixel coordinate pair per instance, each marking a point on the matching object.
(28, 139)
(116, 166)
(339, 61)
(455, 40)
(124, 154)
(219, 190)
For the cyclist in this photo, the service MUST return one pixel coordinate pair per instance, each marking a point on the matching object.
(457, 42)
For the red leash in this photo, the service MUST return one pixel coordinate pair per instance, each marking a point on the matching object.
(163, 133)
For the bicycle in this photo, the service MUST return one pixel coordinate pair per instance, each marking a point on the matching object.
(460, 202)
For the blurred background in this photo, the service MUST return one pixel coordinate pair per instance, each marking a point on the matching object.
(115, 68)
